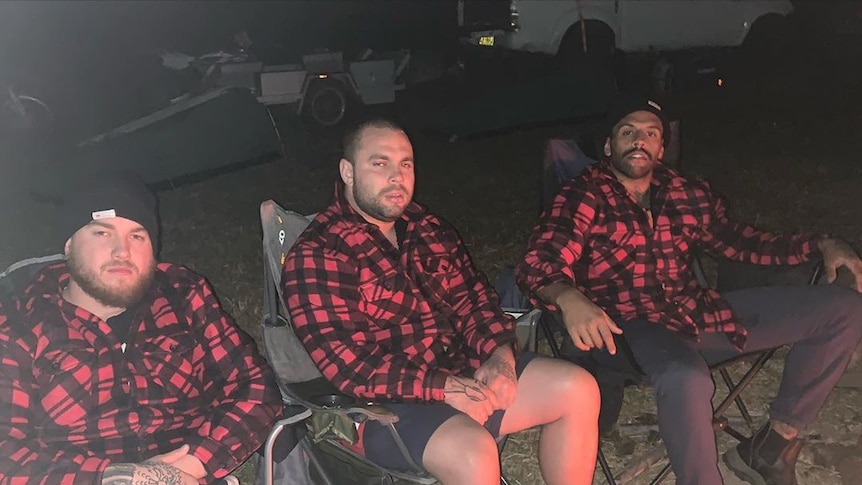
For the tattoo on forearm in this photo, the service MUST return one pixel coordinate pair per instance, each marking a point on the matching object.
(460, 386)
(501, 367)
(146, 473)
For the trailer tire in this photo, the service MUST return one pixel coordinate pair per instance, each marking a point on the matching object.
(326, 104)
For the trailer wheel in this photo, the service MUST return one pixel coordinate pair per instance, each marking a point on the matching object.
(326, 103)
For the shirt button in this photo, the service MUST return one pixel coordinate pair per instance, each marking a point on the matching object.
(222, 465)
(387, 286)
(55, 365)
(173, 346)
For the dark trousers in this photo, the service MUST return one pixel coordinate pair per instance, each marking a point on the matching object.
(823, 324)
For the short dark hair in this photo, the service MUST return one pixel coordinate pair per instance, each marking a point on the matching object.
(353, 137)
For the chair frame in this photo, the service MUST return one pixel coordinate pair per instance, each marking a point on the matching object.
(276, 324)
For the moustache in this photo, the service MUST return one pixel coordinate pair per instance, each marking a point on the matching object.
(648, 154)
(393, 189)
(120, 264)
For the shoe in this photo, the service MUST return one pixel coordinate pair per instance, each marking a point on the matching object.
(765, 459)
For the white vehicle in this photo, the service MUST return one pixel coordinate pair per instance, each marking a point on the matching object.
(570, 27)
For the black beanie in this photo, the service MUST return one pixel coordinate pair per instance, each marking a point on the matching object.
(109, 194)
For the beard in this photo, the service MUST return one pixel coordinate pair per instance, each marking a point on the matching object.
(623, 166)
(374, 207)
(122, 297)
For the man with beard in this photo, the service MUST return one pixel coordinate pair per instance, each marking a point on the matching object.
(613, 256)
(118, 369)
(387, 302)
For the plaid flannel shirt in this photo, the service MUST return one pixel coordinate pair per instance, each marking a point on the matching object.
(386, 323)
(72, 401)
(597, 236)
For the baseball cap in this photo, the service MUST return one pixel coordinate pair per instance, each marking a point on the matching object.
(629, 103)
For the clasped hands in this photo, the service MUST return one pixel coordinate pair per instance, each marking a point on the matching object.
(492, 387)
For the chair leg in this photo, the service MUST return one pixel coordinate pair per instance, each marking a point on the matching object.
(737, 390)
(549, 336)
(661, 475)
(606, 469)
(273, 435)
(740, 403)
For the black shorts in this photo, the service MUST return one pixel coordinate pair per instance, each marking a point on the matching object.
(416, 423)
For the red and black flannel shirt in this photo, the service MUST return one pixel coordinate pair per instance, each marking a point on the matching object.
(387, 323)
(72, 402)
(597, 236)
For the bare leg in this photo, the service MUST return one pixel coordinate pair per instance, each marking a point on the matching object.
(564, 399)
(462, 452)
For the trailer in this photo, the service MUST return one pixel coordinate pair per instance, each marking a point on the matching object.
(324, 87)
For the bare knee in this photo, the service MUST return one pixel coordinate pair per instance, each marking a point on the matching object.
(462, 451)
(579, 390)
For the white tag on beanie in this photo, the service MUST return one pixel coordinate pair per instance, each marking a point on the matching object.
(105, 214)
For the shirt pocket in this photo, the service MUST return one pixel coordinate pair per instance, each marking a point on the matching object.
(67, 379)
(618, 252)
(171, 363)
(436, 278)
(682, 239)
(380, 298)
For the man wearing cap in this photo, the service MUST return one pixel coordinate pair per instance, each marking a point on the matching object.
(612, 254)
(118, 369)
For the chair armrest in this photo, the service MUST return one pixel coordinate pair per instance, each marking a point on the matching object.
(374, 412)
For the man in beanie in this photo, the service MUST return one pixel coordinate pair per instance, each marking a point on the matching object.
(612, 255)
(119, 369)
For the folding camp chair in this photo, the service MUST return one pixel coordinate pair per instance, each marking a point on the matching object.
(563, 160)
(19, 274)
(302, 386)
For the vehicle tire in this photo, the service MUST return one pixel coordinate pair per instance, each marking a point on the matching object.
(766, 38)
(326, 104)
(601, 45)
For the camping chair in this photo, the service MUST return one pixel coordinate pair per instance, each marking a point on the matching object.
(19, 274)
(563, 160)
(304, 390)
